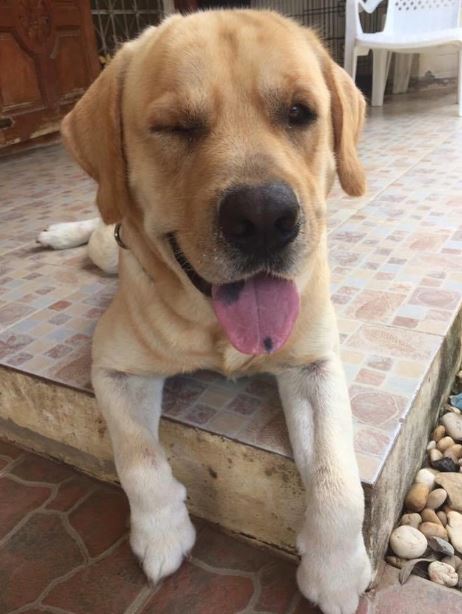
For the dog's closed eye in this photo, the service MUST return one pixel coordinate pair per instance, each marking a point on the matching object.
(186, 129)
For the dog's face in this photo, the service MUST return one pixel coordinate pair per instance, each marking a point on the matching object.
(227, 129)
(220, 133)
(229, 135)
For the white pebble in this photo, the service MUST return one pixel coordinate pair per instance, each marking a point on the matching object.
(425, 476)
(453, 425)
(442, 573)
(454, 529)
(407, 542)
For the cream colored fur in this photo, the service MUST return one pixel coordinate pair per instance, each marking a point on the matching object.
(229, 67)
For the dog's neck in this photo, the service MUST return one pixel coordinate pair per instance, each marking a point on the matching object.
(149, 257)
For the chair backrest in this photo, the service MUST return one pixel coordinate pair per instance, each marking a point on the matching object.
(419, 16)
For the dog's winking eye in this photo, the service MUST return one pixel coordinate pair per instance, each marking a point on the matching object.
(188, 130)
(300, 115)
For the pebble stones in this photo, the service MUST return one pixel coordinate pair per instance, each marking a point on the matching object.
(453, 425)
(427, 477)
(452, 484)
(432, 524)
(445, 443)
(433, 529)
(439, 433)
(413, 520)
(429, 515)
(408, 542)
(417, 497)
(453, 560)
(435, 456)
(436, 498)
(454, 452)
(454, 529)
(442, 517)
(446, 465)
(442, 573)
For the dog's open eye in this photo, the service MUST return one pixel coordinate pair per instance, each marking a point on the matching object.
(300, 115)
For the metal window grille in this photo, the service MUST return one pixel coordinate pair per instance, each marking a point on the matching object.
(119, 20)
(116, 21)
(327, 17)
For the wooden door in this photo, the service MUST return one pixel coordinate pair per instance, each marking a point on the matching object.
(48, 58)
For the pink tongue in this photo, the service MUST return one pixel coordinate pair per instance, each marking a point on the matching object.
(257, 314)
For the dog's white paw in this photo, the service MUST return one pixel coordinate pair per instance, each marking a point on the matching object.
(335, 580)
(162, 541)
(68, 234)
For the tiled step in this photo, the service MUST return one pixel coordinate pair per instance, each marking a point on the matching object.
(248, 483)
(397, 287)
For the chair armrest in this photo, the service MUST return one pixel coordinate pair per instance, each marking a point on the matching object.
(369, 6)
(353, 25)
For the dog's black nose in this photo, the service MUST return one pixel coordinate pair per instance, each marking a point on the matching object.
(259, 220)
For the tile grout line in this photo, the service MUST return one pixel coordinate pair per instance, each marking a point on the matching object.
(73, 533)
(256, 581)
(142, 599)
(42, 509)
(221, 571)
(25, 519)
(12, 462)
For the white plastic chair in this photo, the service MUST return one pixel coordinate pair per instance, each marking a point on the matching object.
(411, 26)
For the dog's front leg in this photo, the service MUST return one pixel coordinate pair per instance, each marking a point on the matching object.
(161, 531)
(334, 568)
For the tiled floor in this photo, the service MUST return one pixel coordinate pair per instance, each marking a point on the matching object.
(396, 280)
(64, 544)
(64, 550)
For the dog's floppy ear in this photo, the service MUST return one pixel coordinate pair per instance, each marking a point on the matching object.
(348, 110)
(92, 132)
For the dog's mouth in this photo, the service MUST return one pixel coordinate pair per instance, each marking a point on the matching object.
(257, 313)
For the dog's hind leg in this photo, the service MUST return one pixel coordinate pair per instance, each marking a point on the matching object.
(161, 531)
(68, 234)
(103, 249)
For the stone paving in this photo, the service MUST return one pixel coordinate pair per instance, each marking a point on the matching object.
(64, 550)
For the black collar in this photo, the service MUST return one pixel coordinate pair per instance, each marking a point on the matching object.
(197, 281)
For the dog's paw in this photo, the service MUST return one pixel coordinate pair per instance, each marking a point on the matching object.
(335, 580)
(67, 234)
(162, 542)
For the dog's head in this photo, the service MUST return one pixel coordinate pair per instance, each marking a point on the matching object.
(221, 133)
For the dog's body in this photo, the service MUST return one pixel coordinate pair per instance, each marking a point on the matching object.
(188, 124)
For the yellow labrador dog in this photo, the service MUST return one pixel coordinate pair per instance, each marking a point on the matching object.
(215, 139)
